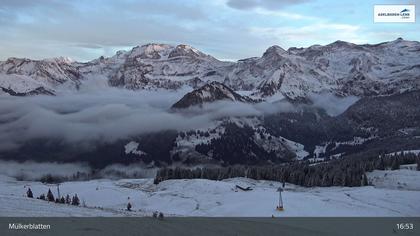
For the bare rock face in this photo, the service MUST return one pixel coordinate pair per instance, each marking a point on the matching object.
(211, 92)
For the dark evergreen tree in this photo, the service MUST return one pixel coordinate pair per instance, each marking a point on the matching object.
(68, 200)
(62, 200)
(160, 217)
(42, 197)
(418, 163)
(395, 165)
(129, 207)
(29, 193)
(47, 179)
(337, 179)
(365, 180)
(50, 196)
(75, 201)
(326, 180)
(380, 165)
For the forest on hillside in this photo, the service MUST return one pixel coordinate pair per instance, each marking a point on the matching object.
(349, 172)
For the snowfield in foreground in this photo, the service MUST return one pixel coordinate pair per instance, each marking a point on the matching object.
(397, 194)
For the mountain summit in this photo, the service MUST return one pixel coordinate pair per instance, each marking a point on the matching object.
(210, 92)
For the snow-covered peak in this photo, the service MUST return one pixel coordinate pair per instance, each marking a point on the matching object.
(151, 51)
(183, 50)
(340, 44)
(165, 51)
(62, 60)
(274, 50)
(210, 92)
(401, 43)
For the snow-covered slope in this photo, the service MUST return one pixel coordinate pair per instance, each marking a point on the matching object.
(22, 85)
(200, 197)
(44, 74)
(400, 179)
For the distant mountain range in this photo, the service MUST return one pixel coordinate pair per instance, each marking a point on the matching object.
(385, 76)
(341, 68)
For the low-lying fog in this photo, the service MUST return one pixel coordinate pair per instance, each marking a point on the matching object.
(104, 114)
(34, 171)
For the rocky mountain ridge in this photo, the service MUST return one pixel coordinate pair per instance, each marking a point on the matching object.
(211, 92)
(341, 68)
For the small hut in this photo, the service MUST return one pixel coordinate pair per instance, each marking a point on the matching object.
(280, 206)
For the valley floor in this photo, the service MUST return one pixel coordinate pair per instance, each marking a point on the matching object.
(396, 194)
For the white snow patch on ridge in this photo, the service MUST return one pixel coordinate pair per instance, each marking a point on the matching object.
(296, 148)
(416, 152)
(132, 147)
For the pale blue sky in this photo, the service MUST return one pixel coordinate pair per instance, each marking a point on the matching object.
(226, 29)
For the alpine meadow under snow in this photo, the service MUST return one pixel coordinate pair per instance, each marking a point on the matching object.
(216, 198)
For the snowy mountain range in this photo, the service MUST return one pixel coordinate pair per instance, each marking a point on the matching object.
(340, 68)
(385, 76)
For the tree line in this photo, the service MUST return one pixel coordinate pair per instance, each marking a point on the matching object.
(349, 172)
(93, 174)
(50, 198)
